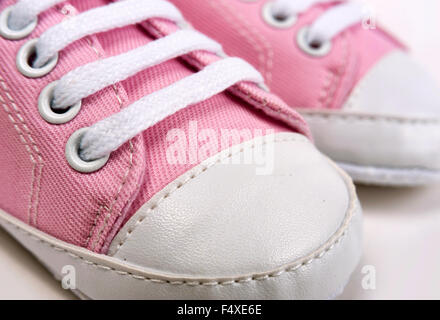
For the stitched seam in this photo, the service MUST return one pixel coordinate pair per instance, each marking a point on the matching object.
(266, 44)
(372, 118)
(37, 155)
(355, 95)
(126, 174)
(178, 185)
(69, 10)
(242, 31)
(31, 148)
(320, 253)
(293, 122)
(334, 77)
(110, 210)
(343, 68)
(340, 72)
(395, 169)
(23, 140)
(86, 243)
(267, 51)
(325, 89)
(276, 274)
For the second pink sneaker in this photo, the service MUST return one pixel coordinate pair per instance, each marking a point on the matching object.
(369, 106)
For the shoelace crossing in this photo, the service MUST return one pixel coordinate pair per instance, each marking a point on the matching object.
(109, 134)
(328, 25)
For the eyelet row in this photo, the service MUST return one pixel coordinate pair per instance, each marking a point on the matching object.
(319, 50)
(24, 66)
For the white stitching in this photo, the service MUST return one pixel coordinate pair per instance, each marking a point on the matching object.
(126, 174)
(371, 118)
(109, 211)
(265, 53)
(179, 184)
(30, 147)
(206, 282)
(334, 78)
(95, 221)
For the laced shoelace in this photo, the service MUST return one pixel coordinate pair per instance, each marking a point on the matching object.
(107, 135)
(328, 25)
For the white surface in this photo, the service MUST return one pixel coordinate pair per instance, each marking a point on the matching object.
(402, 226)
(401, 237)
(396, 85)
(23, 277)
(416, 24)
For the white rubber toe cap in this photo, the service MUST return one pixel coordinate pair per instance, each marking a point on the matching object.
(396, 86)
(390, 123)
(223, 231)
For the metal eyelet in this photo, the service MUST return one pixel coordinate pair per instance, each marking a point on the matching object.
(11, 34)
(48, 113)
(319, 50)
(25, 54)
(274, 21)
(74, 159)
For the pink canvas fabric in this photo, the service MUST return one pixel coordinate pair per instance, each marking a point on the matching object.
(301, 80)
(36, 183)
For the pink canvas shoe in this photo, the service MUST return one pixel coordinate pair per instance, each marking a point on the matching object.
(138, 162)
(369, 106)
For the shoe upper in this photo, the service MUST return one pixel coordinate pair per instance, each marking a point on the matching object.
(367, 102)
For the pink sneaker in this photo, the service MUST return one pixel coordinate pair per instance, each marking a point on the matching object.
(369, 106)
(137, 162)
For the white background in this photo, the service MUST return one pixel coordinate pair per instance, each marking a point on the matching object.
(402, 226)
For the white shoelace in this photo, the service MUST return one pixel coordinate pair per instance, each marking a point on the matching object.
(328, 25)
(109, 134)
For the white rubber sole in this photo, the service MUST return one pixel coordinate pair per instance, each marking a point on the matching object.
(397, 177)
(103, 277)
